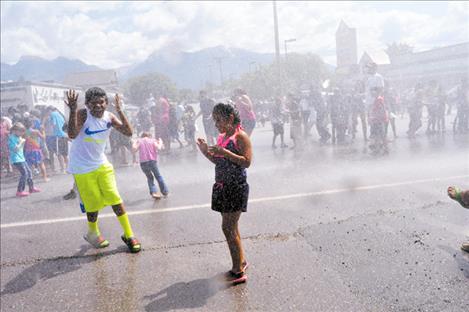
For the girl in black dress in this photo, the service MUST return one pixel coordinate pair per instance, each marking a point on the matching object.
(231, 155)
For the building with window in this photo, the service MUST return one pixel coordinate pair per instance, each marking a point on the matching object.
(31, 94)
(446, 65)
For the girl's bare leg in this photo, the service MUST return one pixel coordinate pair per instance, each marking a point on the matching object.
(44, 172)
(231, 231)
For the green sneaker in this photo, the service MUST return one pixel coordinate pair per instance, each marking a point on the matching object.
(132, 243)
(96, 241)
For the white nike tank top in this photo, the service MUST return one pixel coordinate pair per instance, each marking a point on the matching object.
(87, 150)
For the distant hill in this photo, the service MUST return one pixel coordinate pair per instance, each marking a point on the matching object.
(193, 69)
(187, 69)
(39, 69)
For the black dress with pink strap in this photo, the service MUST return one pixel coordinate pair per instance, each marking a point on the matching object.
(230, 192)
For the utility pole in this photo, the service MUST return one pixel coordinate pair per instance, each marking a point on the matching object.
(287, 41)
(277, 46)
(251, 63)
(210, 73)
(219, 60)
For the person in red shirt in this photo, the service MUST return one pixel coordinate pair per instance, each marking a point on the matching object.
(378, 118)
(160, 118)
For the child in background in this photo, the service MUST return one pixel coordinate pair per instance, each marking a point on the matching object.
(378, 118)
(16, 146)
(32, 148)
(188, 120)
(231, 156)
(277, 119)
(5, 126)
(147, 148)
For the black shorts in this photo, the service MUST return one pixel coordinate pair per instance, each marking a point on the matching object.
(57, 145)
(248, 125)
(230, 198)
(63, 146)
(278, 128)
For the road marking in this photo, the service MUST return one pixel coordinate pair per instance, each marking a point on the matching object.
(257, 200)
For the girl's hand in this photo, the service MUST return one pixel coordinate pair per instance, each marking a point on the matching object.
(203, 146)
(216, 150)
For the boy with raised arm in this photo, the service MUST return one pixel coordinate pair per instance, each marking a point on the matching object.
(94, 175)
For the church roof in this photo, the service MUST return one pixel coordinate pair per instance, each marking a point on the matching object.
(343, 27)
(365, 59)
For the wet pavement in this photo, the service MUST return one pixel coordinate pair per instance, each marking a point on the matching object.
(328, 228)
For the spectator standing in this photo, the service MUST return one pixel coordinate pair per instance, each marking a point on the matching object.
(206, 108)
(246, 110)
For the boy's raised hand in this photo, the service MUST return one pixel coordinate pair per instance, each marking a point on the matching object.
(117, 101)
(72, 100)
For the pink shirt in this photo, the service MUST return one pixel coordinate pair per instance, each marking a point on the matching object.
(147, 149)
(244, 106)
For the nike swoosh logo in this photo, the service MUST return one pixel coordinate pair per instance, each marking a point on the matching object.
(90, 132)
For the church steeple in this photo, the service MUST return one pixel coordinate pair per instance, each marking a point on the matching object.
(346, 45)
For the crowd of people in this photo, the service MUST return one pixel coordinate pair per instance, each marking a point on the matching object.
(338, 115)
(43, 138)
(33, 140)
(374, 104)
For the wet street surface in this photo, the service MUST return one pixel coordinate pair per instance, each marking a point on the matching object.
(328, 228)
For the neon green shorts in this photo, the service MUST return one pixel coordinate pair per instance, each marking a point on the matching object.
(98, 188)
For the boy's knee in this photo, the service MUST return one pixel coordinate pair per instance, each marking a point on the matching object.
(118, 209)
(92, 216)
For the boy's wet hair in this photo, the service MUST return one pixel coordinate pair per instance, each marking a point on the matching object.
(93, 93)
(225, 111)
(145, 134)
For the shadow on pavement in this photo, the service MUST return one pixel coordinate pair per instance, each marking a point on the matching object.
(193, 294)
(47, 269)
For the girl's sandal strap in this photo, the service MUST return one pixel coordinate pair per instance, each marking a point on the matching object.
(458, 197)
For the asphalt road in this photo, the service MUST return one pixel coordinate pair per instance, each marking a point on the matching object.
(328, 228)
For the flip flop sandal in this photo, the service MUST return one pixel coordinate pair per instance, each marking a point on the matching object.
(458, 197)
(132, 243)
(96, 241)
(245, 266)
(236, 278)
(230, 272)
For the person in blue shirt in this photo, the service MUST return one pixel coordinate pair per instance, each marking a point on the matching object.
(15, 147)
(58, 143)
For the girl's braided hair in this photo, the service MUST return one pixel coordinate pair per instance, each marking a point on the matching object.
(225, 110)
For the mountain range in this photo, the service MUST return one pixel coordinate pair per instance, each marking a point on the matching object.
(190, 70)
(38, 69)
(193, 69)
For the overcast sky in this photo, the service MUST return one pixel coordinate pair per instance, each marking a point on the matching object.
(114, 34)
